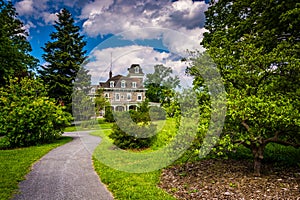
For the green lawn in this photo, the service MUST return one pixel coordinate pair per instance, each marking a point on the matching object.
(16, 163)
(125, 185)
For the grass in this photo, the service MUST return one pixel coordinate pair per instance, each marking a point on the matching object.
(16, 163)
(125, 185)
(88, 125)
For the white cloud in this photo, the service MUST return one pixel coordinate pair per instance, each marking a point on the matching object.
(38, 10)
(49, 18)
(131, 17)
(123, 57)
(117, 16)
(24, 7)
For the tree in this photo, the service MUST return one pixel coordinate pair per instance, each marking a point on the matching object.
(82, 103)
(15, 58)
(160, 84)
(28, 116)
(100, 101)
(255, 45)
(64, 56)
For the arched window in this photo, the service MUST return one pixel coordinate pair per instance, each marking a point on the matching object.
(112, 84)
(123, 84)
(136, 70)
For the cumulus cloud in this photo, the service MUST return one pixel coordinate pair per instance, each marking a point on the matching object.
(122, 58)
(131, 17)
(38, 10)
(24, 7)
(49, 18)
(110, 16)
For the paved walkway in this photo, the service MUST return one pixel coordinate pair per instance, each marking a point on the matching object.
(66, 173)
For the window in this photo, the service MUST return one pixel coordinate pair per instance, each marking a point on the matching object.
(106, 95)
(128, 96)
(136, 70)
(133, 84)
(93, 90)
(117, 97)
(123, 84)
(112, 84)
(139, 97)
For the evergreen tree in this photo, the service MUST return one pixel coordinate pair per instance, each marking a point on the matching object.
(15, 60)
(64, 56)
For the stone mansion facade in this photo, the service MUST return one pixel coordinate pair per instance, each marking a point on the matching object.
(124, 92)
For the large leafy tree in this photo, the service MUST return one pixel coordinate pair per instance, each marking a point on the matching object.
(15, 58)
(64, 54)
(160, 84)
(255, 45)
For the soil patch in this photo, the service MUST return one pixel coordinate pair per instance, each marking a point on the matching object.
(230, 179)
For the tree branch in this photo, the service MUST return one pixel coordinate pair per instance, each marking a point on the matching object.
(275, 139)
(246, 125)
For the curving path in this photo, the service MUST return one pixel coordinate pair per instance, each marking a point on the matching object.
(66, 173)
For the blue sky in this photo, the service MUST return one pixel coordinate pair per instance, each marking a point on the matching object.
(147, 32)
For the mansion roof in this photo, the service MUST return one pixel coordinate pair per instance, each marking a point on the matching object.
(134, 79)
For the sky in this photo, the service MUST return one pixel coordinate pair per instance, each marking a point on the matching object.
(122, 32)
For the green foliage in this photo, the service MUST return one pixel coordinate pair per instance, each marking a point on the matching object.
(15, 58)
(27, 116)
(100, 101)
(127, 134)
(109, 117)
(133, 129)
(157, 113)
(16, 163)
(160, 84)
(82, 104)
(64, 56)
(166, 131)
(141, 114)
(255, 47)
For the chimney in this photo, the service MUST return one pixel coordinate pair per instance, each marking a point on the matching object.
(110, 74)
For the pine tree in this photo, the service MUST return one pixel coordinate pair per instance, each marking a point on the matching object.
(15, 60)
(64, 56)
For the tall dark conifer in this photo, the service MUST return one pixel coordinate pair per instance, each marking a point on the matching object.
(64, 55)
(15, 58)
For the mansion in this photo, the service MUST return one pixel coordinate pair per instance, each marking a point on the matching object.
(123, 92)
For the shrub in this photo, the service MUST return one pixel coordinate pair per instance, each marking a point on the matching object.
(109, 117)
(132, 130)
(157, 113)
(27, 116)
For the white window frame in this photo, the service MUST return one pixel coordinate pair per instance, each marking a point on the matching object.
(133, 84)
(123, 84)
(139, 95)
(117, 95)
(128, 95)
(111, 84)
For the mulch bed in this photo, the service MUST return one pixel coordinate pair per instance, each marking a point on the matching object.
(230, 179)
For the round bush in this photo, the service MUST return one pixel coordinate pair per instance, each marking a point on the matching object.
(27, 116)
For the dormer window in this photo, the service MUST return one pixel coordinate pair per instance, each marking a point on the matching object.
(136, 70)
(112, 84)
(133, 84)
(123, 84)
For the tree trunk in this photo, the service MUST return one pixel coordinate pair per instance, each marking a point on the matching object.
(258, 154)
